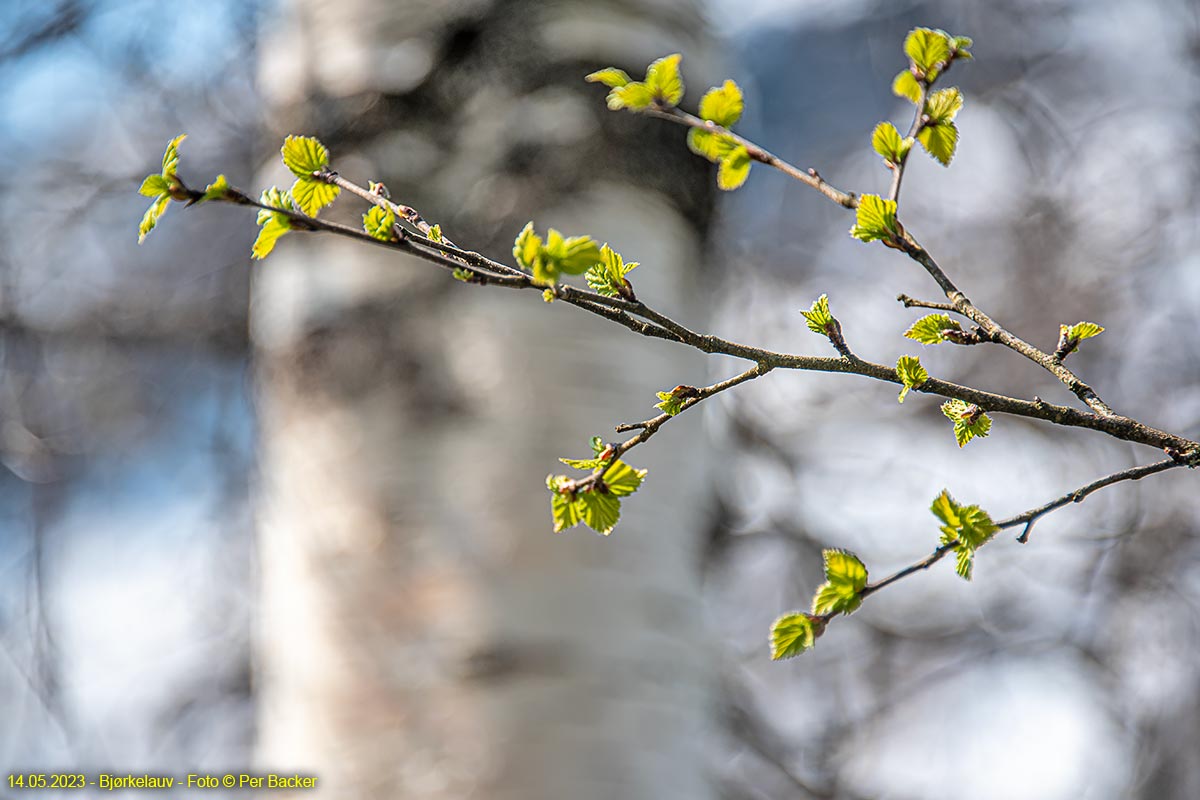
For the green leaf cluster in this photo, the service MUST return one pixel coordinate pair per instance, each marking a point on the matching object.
(911, 374)
(380, 224)
(887, 143)
(598, 504)
(722, 106)
(930, 51)
(969, 420)
(929, 328)
(967, 527)
(607, 276)
(876, 219)
(556, 255)
(662, 87)
(939, 135)
(272, 224)
(162, 187)
(845, 577)
(305, 156)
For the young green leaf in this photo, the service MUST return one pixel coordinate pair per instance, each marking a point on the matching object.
(150, 218)
(713, 146)
(911, 374)
(928, 329)
(876, 219)
(967, 527)
(944, 104)
(272, 224)
(607, 274)
(669, 403)
(160, 188)
(527, 248)
(1081, 330)
(818, 317)
(563, 509)
(927, 49)
(633, 96)
(940, 140)
(887, 143)
(969, 420)
(623, 480)
(599, 510)
(791, 635)
(170, 160)
(611, 77)
(845, 577)
(466, 276)
(734, 169)
(216, 190)
(960, 45)
(906, 85)
(664, 81)
(304, 155)
(722, 105)
(380, 224)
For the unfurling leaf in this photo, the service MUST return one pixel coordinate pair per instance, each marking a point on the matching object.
(723, 105)
(911, 374)
(734, 169)
(818, 317)
(607, 274)
(216, 190)
(170, 160)
(380, 224)
(671, 403)
(944, 104)
(887, 143)
(272, 224)
(929, 329)
(1069, 336)
(966, 528)
(611, 77)
(160, 187)
(969, 420)
(845, 577)
(794, 633)
(876, 219)
(664, 81)
(927, 49)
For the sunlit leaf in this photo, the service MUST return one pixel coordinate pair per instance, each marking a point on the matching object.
(927, 48)
(875, 219)
(723, 105)
(818, 317)
(734, 169)
(304, 155)
(791, 635)
(845, 577)
(906, 85)
(611, 77)
(911, 374)
(969, 420)
(928, 329)
(664, 81)
(380, 223)
(151, 217)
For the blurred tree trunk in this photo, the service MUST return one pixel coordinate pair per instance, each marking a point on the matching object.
(424, 634)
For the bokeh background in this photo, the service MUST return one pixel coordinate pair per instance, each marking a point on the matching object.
(288, 516)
